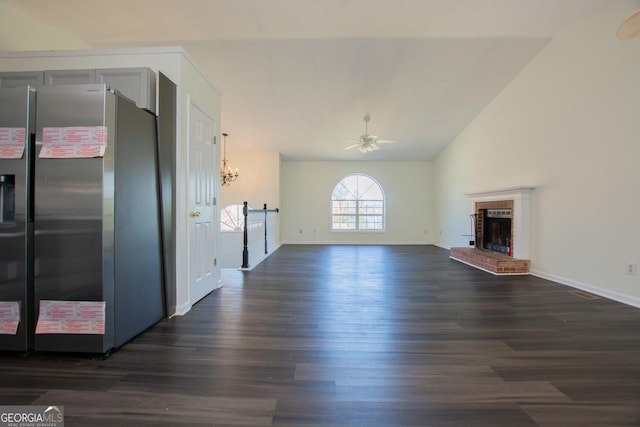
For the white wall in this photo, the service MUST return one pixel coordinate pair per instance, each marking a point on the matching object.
(569, 124)
(306, 189)
(258, 181)
(19, 31)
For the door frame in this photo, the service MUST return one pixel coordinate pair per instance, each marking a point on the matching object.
(215, 213)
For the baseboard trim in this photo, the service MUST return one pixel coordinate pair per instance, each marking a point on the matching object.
(183, 309)
(616, 296)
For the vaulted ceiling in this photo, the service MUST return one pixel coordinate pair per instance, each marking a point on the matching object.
(298, 76)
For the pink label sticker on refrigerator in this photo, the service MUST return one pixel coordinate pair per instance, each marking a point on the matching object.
(12, 142)
(9, 317)
(73, 142)
(71, 317)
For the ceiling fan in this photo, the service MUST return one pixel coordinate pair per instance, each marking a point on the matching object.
(368, 143)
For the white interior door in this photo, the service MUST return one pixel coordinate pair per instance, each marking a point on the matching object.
(202, 219)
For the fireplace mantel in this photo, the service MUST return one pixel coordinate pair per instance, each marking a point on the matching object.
(521, 214)
(503, 194)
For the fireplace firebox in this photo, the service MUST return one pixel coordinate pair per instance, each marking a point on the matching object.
(497, 230)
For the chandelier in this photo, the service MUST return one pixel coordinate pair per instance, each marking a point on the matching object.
(227, 175)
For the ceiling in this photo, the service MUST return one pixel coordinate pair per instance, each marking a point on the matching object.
(298, 76)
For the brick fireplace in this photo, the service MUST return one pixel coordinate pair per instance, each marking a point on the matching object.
(502, 230)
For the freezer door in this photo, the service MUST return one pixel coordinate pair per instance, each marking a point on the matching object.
(74, 202)
(16, 263)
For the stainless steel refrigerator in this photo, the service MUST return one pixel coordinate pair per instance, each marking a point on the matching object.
(98, 271)
(17, 127)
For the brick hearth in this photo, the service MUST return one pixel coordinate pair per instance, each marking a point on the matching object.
(491, 261)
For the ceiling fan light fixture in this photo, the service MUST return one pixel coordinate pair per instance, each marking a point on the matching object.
(367, 148)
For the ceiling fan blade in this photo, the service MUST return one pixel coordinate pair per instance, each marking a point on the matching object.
(351, 146)
(387, 141)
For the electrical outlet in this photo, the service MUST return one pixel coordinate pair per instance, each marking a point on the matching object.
(632, 269)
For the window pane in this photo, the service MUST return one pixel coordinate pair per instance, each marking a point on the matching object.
(344, 207)
(344, 222)
(344, 191)
(371, 191)
(370, 207)
(371, 222)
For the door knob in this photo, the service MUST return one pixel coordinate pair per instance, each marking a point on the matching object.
(195, 214)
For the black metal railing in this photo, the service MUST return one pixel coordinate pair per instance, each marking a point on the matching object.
(245, 239)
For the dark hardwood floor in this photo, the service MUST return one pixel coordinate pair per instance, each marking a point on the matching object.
(358, 336)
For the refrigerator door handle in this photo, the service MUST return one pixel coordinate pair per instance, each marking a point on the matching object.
(32, 178)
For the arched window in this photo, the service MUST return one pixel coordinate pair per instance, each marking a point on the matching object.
(357, 203)
(231, 218)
